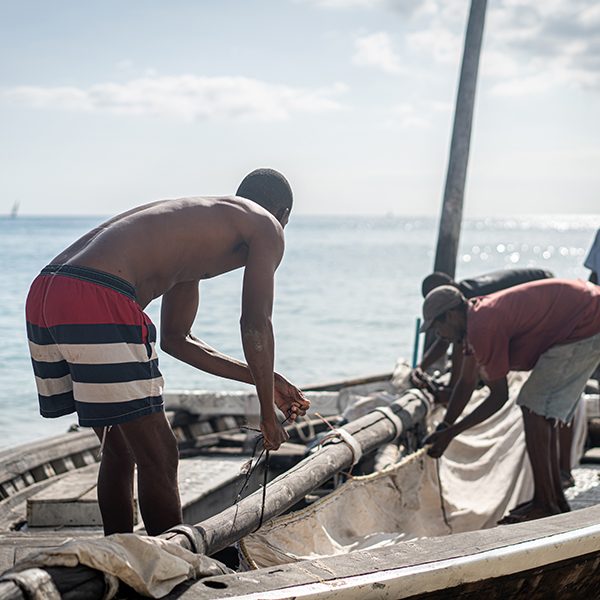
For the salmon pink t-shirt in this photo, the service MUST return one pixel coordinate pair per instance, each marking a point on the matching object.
(510, 329)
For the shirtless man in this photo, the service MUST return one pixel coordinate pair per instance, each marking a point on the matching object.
(92, 345)
(550, 327)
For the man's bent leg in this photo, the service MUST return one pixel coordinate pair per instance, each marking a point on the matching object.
(155, 452)
(559, 494)
(539, 438)
(115, 482)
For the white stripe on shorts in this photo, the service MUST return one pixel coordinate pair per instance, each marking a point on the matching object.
(92, 354)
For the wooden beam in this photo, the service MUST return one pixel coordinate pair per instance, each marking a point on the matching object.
(336, 386)
(449, 232)
(369, 431)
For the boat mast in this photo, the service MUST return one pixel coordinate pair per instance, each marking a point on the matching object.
(449, 232)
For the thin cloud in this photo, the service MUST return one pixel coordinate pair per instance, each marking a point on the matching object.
(406, 8)
(187, 97)
(341, 4)
(529, 46)
(554, 44)
(439, 43)
(377, 50)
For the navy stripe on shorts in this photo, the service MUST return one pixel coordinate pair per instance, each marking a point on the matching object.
(92, 347)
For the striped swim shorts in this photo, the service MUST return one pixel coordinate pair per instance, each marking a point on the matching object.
(92, 347)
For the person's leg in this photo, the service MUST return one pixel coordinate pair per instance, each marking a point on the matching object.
(540, 439)
(557, 483)
(565, 441)
(115, 482)
(154, 449)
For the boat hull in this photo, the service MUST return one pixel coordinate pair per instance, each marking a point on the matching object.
(556, 557)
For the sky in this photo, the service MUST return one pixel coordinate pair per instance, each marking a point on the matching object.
(109, 105)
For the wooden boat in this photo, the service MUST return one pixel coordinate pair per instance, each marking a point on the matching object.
(553, 557)
(51, 483)
(48, 488)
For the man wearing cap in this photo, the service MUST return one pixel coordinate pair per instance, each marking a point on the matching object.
(482, 285)
(550, 327)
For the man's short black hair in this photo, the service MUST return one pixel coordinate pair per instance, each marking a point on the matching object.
(269, 188)
(435, 280)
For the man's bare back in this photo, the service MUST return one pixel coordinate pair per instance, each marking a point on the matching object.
(159, 245)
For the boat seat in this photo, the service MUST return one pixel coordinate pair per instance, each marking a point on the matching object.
(206, 484)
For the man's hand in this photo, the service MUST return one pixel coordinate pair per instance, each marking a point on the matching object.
(442, 396)
(417, 378)
(289, 399)
(439, 441)
(273, 434)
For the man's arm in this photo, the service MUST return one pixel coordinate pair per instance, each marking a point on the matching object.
(179, 308)
(178, 311)
(463, 390)
(265, 250)
(434, 353)
(491, 405)
(456, 368)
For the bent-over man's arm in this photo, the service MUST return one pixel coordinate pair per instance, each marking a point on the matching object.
(179, 308)
(463, 390)
(433, 354)
(265, 250)
(178, 311)
(491, 405)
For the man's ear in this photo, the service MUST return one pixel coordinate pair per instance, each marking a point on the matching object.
(283, 216)
(452, 316)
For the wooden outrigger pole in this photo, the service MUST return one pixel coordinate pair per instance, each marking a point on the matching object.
(449, 232)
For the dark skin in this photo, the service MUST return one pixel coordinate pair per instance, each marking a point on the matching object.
(540, 435)
(434, 353)
(166, 249)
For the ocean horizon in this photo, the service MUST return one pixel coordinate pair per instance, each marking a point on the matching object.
(347, 295)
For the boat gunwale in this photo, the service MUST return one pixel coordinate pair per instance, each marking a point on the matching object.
(422, 566)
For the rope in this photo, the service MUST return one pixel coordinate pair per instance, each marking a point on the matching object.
(105, 431)
(345, 437)
(395, 420)
(264, 494)
(248, 470)
(437, 464)
(305, 437)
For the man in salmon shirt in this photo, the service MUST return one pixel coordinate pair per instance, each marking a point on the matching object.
(549, 327)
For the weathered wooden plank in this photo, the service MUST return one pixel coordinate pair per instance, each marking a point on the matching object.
(200, 477)
(14, 461)
(7, 558)
(336, 386)
(70, 488)
(72, 501)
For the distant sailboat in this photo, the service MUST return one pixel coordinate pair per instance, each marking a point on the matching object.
(15, 209)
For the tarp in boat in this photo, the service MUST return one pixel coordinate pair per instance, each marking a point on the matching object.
(150, 565)
(484, 473)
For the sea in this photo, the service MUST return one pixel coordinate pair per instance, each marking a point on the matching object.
(347, 296)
